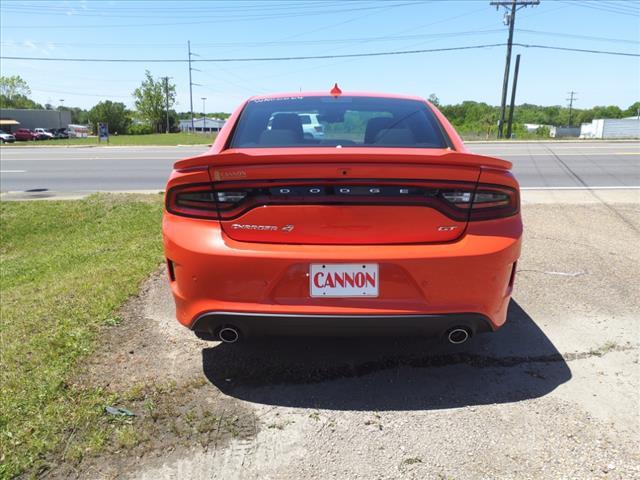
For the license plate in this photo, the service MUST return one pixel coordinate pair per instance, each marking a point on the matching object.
(344, 280)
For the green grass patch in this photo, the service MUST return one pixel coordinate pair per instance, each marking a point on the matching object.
(65, 269)
(124, 140)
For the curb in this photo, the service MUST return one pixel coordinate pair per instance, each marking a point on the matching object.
(44, 194)
(15, 147)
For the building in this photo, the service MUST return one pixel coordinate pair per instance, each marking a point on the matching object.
(563, 132)
(611, 128)
(532, 127)
(13, 118)
(202, 125)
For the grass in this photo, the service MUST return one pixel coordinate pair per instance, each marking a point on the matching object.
(65, 269)
(127, 140)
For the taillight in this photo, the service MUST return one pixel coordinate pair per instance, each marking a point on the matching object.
(494, 202)
(486, 202)
(461, 201)
(196, 201)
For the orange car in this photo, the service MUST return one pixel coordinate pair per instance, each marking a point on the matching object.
(386, 224)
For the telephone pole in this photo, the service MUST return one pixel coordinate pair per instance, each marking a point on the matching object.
(190, 87)
(191, 84)
(571, 99)
(204, 115)
(512, 6)
(513, 96)
(166, 99)
(60, 114)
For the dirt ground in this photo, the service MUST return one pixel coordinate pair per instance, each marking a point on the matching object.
(554, 394)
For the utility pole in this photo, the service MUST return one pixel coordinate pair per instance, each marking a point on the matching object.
(204, 116)
(166, 99)
(513, 96)
(571, 99)
(191, 84)
(60, 114)
(512, 6)
(190, 87)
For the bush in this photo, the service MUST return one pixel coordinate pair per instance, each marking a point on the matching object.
(140, 129)
(543, 132)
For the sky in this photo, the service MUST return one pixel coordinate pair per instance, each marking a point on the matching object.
(241, 29)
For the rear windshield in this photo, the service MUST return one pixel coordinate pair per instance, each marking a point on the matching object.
(345, 121)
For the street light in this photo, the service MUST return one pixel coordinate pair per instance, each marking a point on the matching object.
(59, 113)
(204, 116)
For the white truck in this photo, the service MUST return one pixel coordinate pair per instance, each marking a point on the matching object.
(43, 134)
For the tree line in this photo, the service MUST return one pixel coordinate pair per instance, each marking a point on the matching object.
(151, 99)
(152, 96)
(479, 118)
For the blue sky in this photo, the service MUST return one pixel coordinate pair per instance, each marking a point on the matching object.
(243, 28)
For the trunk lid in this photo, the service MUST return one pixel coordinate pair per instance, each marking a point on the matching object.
(357, 198)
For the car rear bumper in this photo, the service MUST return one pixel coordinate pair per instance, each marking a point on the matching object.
(250, 324)
(423, 288)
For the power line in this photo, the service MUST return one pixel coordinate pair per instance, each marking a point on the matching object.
(49, 9)
(608, 7)
(583, 37)
(582, 50)
(252, 59)
(316, 57)
(226, 18)
(321, 42)
(102, 95)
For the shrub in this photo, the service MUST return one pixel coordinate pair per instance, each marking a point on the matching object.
(140, 129)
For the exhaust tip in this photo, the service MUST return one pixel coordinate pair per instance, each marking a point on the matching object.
(229, 335)
(458, 335)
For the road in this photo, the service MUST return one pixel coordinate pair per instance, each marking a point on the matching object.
(537, 164)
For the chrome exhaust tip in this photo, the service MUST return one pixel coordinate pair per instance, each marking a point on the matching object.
(458, 335)
(229, 335)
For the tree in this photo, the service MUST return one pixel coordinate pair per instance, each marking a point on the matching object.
(151, 100)
(78, 115)
(11, 87)
(114, 114)
(633, 109)
(14, 93)
(433, 98)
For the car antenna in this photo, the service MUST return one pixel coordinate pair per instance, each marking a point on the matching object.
(335, 90)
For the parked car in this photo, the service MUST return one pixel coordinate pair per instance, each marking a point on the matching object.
(6, 137)
(311, 126)
(25, 134)
(43, 133)
(60, 133)
(391, 226)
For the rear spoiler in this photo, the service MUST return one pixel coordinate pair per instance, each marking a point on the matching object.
(266, 156)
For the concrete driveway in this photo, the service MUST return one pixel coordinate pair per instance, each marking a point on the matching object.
(554, 394)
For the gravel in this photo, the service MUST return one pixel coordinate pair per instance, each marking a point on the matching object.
(552, 395)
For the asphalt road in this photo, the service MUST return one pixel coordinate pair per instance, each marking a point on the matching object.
(538, 164)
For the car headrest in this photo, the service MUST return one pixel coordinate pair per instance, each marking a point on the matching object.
(288, 121)
(279, 137)
(395, 136)
(374, 126)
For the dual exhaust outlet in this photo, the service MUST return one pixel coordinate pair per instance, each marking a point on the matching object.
(455, 336)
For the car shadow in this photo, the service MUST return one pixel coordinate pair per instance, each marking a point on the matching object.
(516, 363)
